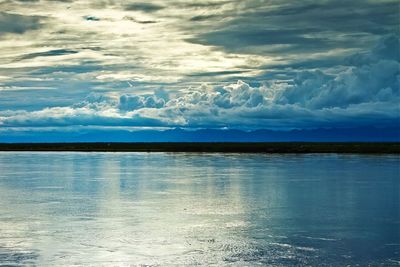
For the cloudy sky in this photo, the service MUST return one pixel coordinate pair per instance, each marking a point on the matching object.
(248, 65)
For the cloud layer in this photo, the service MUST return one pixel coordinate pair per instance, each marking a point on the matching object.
(210, 64)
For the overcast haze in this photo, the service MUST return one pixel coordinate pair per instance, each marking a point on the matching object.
(280, 65)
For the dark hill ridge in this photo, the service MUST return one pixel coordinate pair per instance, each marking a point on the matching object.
(214, 147)
(361, 134)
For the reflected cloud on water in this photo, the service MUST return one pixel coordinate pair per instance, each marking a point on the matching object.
(163, 209)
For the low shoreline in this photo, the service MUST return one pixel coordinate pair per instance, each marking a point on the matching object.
(214, 147)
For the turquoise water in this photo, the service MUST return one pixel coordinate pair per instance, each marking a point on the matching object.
(158, 209)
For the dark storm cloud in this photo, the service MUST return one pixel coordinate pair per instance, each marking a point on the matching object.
(145, 7)
(320, 62)
(14, 23)
(91, 18)
(203, 17)
(238, 37)
(56, 52)
(301, 26)
(216, 73)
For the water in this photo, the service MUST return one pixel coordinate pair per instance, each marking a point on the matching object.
(158, 209)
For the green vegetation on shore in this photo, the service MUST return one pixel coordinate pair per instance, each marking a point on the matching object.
(361, 148)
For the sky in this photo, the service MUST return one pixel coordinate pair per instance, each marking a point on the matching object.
(208, 64)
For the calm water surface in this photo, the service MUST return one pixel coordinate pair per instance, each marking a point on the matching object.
(157, 209)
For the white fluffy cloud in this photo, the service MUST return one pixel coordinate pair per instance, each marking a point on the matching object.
(373, 77)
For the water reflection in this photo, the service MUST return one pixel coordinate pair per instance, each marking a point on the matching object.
(162, 209)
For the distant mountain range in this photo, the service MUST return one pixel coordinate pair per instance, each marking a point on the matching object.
(364, 134)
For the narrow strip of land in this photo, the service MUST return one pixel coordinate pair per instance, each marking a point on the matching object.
(287, 147)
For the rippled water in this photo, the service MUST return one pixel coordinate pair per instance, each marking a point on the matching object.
(127, 209)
